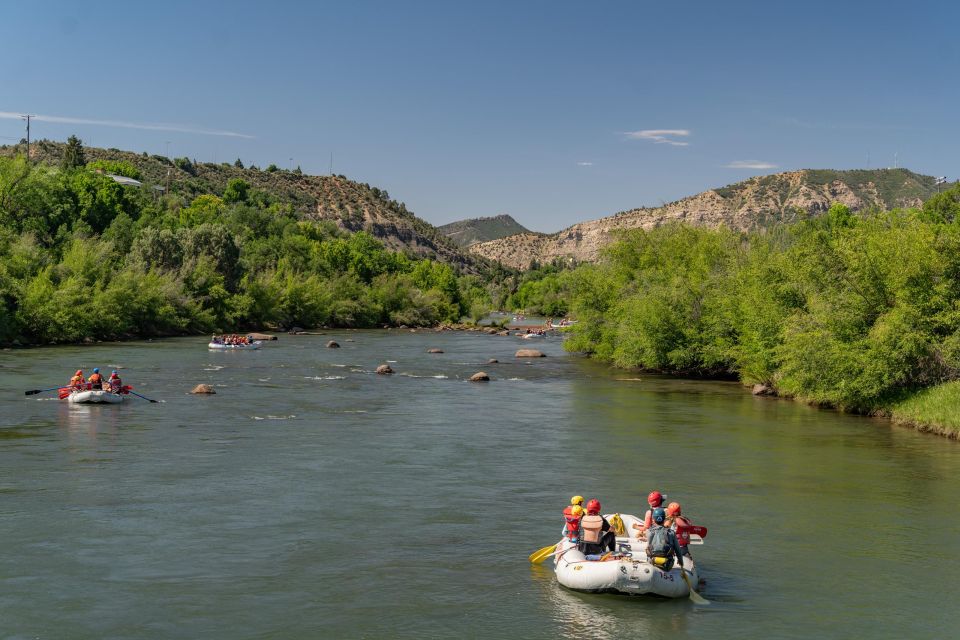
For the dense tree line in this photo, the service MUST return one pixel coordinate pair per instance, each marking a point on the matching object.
(82, 256)
(850, 311)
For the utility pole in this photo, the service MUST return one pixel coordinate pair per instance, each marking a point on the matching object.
(939, 181)
(27, 118)
(331, 163)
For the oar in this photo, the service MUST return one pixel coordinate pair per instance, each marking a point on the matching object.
(134, 393)
(540, 555)
(694, 596)
(36, 391)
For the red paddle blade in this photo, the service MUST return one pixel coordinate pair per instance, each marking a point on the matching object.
(63, 393)
(685, 532)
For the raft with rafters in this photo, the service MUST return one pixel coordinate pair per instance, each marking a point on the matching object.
(628, 571)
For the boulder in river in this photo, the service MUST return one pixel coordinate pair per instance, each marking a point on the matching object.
(529, 353)
(333, 345)
(203, 389)
(763, 390)
(434, 350)
(262, 336)
(493, 361)
(480, 376)
(295, 330)
(384, 370)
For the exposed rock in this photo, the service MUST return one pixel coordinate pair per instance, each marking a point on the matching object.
(384, 370)
(493, 361)
(763, 390)
(295, 330)
(480, 376)
(529, 353)
(333, 345)
(262, 336)
(434, 350)
(758, 202)
(503, 333)
(203, 389)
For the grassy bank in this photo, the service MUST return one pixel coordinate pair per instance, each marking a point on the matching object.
(936, 410)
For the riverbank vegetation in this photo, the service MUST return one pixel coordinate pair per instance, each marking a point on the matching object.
(83, 257)
(858, 312)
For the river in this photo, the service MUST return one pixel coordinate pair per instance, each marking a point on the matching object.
(312, 498)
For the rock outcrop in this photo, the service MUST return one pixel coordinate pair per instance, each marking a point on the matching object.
(759, 202)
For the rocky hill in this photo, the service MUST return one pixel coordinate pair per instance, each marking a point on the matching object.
(758, 202)
(351, 205)
(474, 230)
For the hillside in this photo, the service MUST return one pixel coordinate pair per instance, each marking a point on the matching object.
(757, 202)
(474, 230)
(351, 205)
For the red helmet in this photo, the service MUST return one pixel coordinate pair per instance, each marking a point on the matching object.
(593, 507)
(655, 499)
(673, 509)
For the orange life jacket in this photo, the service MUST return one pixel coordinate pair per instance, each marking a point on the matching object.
(76, 381)
(591, 527)
(95, 379)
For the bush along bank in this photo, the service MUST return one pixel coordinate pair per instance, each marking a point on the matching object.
(859, 313)
(83, 257)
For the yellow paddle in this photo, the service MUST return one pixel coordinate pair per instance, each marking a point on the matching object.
(694, 596)
(542, 554)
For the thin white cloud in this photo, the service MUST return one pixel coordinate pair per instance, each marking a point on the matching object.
(660, 136)
(750, 164)
(584, 164)
(159, 126)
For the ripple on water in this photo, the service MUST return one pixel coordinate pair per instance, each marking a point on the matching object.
(269, 417)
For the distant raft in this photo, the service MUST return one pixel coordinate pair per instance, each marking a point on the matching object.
(630, 574)
(94, 397)
(219, 346)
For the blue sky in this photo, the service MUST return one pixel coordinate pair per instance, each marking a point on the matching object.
(553, 112)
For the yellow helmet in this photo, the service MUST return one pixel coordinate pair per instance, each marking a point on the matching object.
(576, 511)
(576, 500)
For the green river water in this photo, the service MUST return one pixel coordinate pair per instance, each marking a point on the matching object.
(311, 498)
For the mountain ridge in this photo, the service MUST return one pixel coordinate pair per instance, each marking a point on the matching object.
(473, 230)
(758, 202)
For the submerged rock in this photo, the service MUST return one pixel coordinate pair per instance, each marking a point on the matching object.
(333, 345)
(203, 389)
(384, 370)
(529, 353)
(493, 361)
(434, 350)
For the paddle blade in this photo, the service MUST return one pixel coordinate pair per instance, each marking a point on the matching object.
(617, 523)
(63, 393)
(542, 554)
(695, 597)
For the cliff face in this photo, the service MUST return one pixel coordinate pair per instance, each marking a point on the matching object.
(758, 202)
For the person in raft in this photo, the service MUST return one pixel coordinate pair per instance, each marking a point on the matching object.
(571, 520)
(77, 381)
(662, 544)
(115, 383)
(95, 381)
(676, 521)
(595, 534)
(655, 500)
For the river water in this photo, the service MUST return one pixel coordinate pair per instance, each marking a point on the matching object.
(312, 498)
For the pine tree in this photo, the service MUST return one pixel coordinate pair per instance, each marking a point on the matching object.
(73, 155)
(238, 164)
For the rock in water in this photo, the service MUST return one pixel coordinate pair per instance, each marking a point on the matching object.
(480, 376)
(763, 390)
(384, 370)
(261, 336)
(434, 350)
(203, 388)
(529, 353)
(333, 345)
(493, 361)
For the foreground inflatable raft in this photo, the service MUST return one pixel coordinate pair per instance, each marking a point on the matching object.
(95, 397)
(631, 574)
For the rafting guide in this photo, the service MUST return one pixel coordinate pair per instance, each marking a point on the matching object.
(596, 552)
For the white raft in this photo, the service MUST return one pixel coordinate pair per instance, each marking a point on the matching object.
(219, 346)
(94, 397)
(632, 574)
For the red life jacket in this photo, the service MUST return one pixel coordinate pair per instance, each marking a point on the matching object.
(572, 523)
(682, 526)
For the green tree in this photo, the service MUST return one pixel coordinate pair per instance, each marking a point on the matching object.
(73, 155)
(236, 191)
